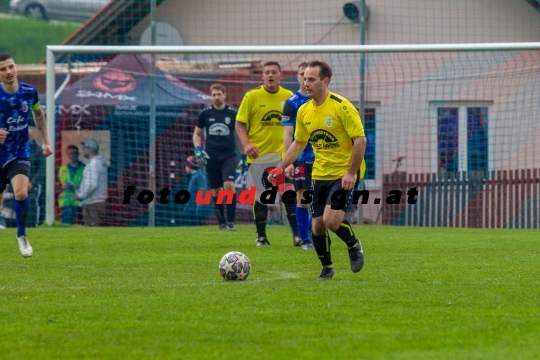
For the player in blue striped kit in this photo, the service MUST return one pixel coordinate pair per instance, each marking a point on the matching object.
(17, 99)
(300, 171)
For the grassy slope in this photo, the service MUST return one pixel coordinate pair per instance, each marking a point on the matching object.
(156, 293)
(27, 39)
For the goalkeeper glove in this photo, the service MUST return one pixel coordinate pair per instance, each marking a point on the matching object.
(242, 165)
(277, 178)
(201, 156)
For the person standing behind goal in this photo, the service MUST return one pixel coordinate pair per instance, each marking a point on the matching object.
(220, 156)
(335, 130)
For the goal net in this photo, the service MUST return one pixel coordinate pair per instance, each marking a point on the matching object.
(452, 128)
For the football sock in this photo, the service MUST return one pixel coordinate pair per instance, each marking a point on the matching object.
(322, 247)
(220, 212)
(21, 215)
(260, 213)
(231, 210)
(290, 209)
(302, 221)
(345, 233)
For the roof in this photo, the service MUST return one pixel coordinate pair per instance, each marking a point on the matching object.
(112, 23)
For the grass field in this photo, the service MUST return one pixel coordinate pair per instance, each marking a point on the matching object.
(140, 293)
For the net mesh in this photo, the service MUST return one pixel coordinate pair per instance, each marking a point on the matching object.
(436, 118)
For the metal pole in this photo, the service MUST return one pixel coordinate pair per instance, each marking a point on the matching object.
(152, 132)
(362, 98)
(51, 125)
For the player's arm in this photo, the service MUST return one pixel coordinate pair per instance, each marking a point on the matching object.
(353, 127)
(241, 127)
(197, 136)
(293, 153)
(276, 175)
(247, 146)
(41, 124)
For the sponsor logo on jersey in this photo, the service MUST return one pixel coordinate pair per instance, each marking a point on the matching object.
(299, 173)
(12, 120)
(271, 118)
(219, 130)
(322, 140)
(115, 82)
(328, 121)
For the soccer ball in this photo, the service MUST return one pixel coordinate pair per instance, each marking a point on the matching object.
(234, 266)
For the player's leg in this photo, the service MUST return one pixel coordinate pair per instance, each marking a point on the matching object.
(302, 182)
(229, 173)
(20, 182)
(213, 171)
(290, 211)
(334, 219)
(321, 237)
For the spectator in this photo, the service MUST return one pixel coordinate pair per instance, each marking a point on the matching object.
(93, 189)
(194, 212)
(70, 177)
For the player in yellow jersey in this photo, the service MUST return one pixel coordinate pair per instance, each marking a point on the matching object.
(333, 126)
(258, 127)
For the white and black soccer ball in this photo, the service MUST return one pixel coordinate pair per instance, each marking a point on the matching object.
(234, 265)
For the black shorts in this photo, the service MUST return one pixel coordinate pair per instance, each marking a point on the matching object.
(302, 175)
(17, 166)
(330, 192)
(222, 170)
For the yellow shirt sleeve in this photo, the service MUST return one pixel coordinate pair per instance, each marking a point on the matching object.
(244, 111)
(351, 120)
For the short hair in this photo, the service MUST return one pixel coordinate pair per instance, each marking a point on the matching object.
(303, 64)
(325, 71)
(218, 87)
(73, 147)
(5, 56)
(272, 63)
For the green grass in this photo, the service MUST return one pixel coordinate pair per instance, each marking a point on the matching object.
(27, 39)
(139, 293)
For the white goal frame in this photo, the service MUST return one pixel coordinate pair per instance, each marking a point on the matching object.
(53, 50)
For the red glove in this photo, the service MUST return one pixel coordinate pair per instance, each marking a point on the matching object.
(278, 177)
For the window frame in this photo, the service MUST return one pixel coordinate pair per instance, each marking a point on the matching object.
(462, 131)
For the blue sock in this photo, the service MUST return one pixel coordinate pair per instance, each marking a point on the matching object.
(21, 215)
(302, 219)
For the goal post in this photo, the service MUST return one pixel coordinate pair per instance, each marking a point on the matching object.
(445, 108)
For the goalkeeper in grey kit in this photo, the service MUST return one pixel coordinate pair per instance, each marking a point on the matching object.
(216, 123)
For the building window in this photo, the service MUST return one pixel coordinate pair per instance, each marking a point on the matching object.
(462, 138)
(477, 138)
(369, 130)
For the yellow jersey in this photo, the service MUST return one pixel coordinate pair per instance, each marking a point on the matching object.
(330, 127)
(261, 111)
